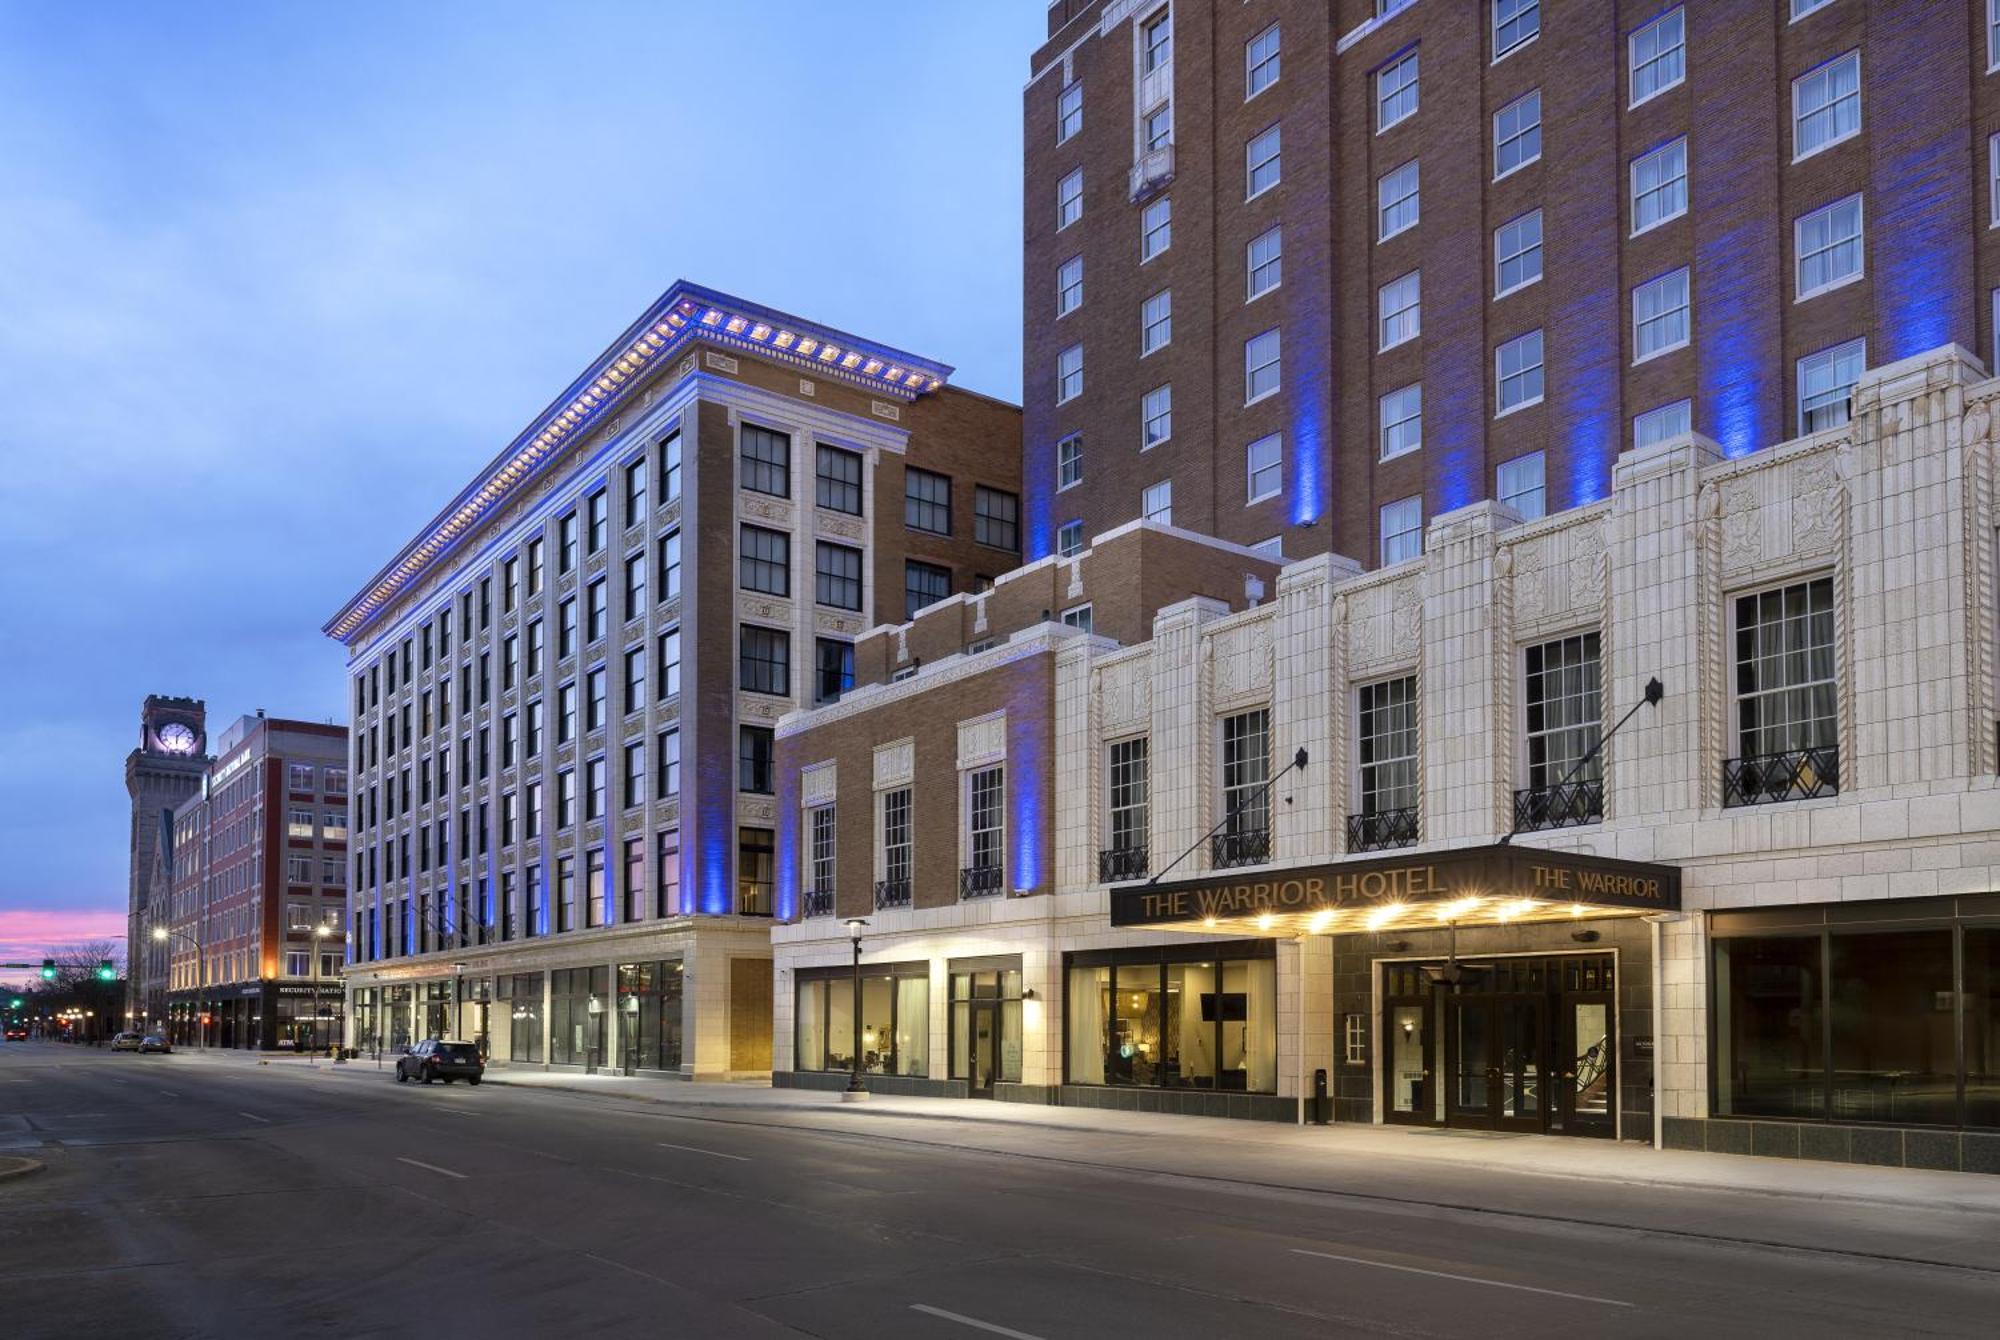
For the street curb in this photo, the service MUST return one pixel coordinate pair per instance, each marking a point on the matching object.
(11, 1167)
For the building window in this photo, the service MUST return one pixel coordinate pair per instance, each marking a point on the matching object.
(833, 669)
(837, 576)
(1402, 530)
(765, 662)
(1069, 199)
(1261, 162)
(1265, 467)
(670, 664)
(896, 837)
(1564, 715)
(926, 501)
(635, 491)
(1402, 421)
(1660, 315)
(1156, 42)
(1069, 462)
(1262, 366)
(1658, 55)
(593, 703)
(1828, 245)
(670, 565)
(566, 544)
(1520, 485)
(985, 838)
(1197, 1017)
(923, 584)
(1659, 185)
(597, 612)
(1069, 539)
(667, 770)
(1826, 105)
(1400, 309)
(1069, 286)
(1156, 416)
(1801, 8)
(566, 798)
(996, 518)
(1517, 253)
(1078, 617)
(765, 561)
(823, 830)
(1826, 385)
(1265, 260)
(1515, 24)
(598, 511)
(893, 1016)
(1386, 756)
(670, 468)
(566, 713)
(766, 461)
(1156, 228)
(1788, 732)
(635, 774)
(1157, 131)
(1659, 425)
(1518, 365)
(753, 759)
(838, 483)
(593, 790)
(1157, 502)
(1396, 91)
(1069, 111)
(1246, 803)
(756, 871)
(1517, 134)
(1156, 322)
(1129, 763)
(1069, 373)
(635, 585)
(1396, 202)
(1260, 62)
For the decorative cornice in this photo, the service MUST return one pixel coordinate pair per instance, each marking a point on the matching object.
(685, 313)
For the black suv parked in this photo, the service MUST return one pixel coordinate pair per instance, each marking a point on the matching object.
(437, 1058)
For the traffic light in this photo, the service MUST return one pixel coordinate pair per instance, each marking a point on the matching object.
(107, 971)
(48, 970)
(14, 1004)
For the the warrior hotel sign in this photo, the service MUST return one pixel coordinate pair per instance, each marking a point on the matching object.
(1490, 885)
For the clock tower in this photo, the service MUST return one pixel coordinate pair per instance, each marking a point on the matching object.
(162, 772)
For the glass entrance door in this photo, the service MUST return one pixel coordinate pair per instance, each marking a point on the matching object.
(1586, 1052)
(1474, 1072)
(1410, 1045)
(1497, 1062)
(984, 1048)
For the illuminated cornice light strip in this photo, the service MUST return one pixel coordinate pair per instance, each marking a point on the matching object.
(686, 315)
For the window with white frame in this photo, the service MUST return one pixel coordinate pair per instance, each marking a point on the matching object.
(1128, 765)
(1995, 308)
(1157, 502)
(1261, 366)
(1828, 246)
(1400, 312)
(1272, 548)
(1246, 768)
(1157, 129)
(1992, 35)
(1518, 373)
(1785, 683)
(1826, 384)
(1396, 201)
(1265, 261)
(1069, 199)
(1386, 745)
(1663, 424)
(1517, 134)
(1402, 421)
(1156, 322)
(1069, 111)
(1564, 710)
(1396, 91)
(896, 836)
(824, 831)
(1069, 286)
(1826, 105)
(1266, 467)
(1260, 62)
(1993, 179)
(1156, 417)
(1156, 228)
(1069, 539)
(1069, 373)
(1069, 461)
(1660, 315)
(1261, 162)
(1659, 185)
(984, 827)
(1515, 24)
(1520, 485)
(1078, 617)
(1156, 42)
(1402, 530)
(1658, 54)
(1517, 253)
(299, 824)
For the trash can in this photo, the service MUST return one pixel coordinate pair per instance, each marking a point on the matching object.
(1321, 1112)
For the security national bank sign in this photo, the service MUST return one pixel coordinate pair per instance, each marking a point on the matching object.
(1488, 885)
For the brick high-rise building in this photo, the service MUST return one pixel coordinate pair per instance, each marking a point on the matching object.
(1306, 275)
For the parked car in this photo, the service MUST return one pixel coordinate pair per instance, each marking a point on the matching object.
(126, 1042)
(440, 1058)
(17, 1035)
(154, 1042)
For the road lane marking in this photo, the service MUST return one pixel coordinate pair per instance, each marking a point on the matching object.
(1467, 1279)
(432, 1167)
(973, 1322)
(712, 1153)
(170, 1093)
(254, 1117)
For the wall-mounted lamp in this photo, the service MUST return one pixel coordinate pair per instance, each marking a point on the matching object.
(1584, 937)
(1027, 993)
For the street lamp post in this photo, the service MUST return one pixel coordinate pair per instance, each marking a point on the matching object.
(319, 933)
(856, 1091)
(200, 976)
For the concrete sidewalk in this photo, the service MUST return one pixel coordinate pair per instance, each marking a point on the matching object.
(1302, 1157)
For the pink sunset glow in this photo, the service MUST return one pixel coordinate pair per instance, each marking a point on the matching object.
(29, 934)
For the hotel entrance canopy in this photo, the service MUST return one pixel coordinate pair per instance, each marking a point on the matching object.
(1469, 886)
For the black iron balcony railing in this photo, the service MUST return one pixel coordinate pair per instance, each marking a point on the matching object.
(1561, 806)
(819, 902)
(1119, 864)
(1382, 830)
(978, 881)
(1765, 779)
(1248, 846)
(892, 893)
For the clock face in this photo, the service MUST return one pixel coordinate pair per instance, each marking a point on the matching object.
(176, 738)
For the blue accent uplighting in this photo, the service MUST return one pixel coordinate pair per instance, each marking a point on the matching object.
(1307, 350)
(542, 905)
(1737, 329)
(1919, 191)
(1028, 775)
(1038, 476)
(785, 879)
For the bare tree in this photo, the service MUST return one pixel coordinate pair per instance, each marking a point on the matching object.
(78, 963)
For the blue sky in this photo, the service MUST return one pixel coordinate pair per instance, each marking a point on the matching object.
(276, 278)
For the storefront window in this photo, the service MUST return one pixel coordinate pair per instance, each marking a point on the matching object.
(649, 1014)
(577, 1001)
(521, 995)
(1089, 1004)
(1769, 1056)
(985, 1023)
(1168, 1018)
(1894, 1049)
(895, 1020)
(1982, 1026)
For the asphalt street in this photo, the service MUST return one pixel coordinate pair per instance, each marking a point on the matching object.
(184, 1196)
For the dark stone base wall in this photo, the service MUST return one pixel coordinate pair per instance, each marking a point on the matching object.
(1182, 1102)
(903, 1086)
(1044, 1095)
(1880, 1146)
